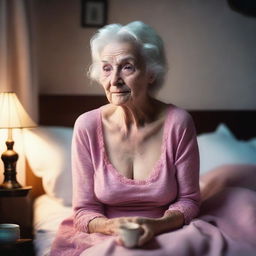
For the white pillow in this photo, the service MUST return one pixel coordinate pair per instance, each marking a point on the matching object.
(48, 150)
(221, 147)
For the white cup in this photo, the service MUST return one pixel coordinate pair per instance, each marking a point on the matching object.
(130, 233)
(9, 233)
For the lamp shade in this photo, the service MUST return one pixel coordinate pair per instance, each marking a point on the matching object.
(12, 114)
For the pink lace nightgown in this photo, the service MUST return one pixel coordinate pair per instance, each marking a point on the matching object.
(100, 190)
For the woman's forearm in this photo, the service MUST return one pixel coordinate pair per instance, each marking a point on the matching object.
(99, 225)
(170, 221)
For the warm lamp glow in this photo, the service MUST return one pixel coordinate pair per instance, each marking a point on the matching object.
(12, 114)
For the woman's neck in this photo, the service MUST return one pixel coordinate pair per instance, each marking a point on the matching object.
(133, 116)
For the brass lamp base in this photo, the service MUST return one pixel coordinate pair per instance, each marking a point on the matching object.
(10, 158)
(10, 185)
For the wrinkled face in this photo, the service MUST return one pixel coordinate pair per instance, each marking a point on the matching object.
(123, 75)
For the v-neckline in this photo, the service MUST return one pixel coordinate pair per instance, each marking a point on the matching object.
(156, 167)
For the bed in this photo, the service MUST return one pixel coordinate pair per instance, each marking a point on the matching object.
(227, 143)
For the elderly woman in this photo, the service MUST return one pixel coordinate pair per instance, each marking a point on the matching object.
(135, 159)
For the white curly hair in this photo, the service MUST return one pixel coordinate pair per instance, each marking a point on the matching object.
(145, 37)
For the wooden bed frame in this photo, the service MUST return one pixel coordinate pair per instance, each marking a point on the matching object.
(62, 110)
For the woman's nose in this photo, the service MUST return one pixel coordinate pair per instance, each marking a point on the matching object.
(116, 79)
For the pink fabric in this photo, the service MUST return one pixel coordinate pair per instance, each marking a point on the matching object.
(100, 190)
(226, 226)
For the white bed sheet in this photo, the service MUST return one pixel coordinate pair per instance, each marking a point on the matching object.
(48, 214)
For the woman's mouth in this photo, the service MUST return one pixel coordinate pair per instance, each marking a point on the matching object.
(124, 92)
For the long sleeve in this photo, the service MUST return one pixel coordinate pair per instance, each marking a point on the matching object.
(85, 204)
(186, 161)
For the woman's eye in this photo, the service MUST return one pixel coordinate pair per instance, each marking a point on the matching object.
(106, 68)
(128, 68)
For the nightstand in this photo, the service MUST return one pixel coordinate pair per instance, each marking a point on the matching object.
(22, 247)
(16, 207)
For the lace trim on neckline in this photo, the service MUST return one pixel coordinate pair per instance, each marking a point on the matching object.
(157, 166)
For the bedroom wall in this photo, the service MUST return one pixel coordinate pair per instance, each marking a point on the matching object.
(210, 48)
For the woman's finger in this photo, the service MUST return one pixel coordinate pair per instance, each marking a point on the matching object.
(146, 236)
(119, 241)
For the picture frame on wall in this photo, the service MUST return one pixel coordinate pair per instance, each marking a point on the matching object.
(94, 13)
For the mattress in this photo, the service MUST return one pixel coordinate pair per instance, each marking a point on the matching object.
(48, 214)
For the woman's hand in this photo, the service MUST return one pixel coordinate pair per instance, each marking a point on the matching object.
(114, 224)
(149, 229)
(150, 226)
(147, 226)
(108, 226)
(111, 226)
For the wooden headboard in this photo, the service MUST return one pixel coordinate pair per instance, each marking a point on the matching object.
(62, 110)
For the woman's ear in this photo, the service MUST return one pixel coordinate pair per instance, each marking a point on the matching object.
(152, 78)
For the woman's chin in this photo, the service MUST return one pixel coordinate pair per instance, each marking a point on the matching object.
(118, 99)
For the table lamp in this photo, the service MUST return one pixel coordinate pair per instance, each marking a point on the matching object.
(12, 115)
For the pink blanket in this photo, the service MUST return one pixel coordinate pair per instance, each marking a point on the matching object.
(226, 226)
